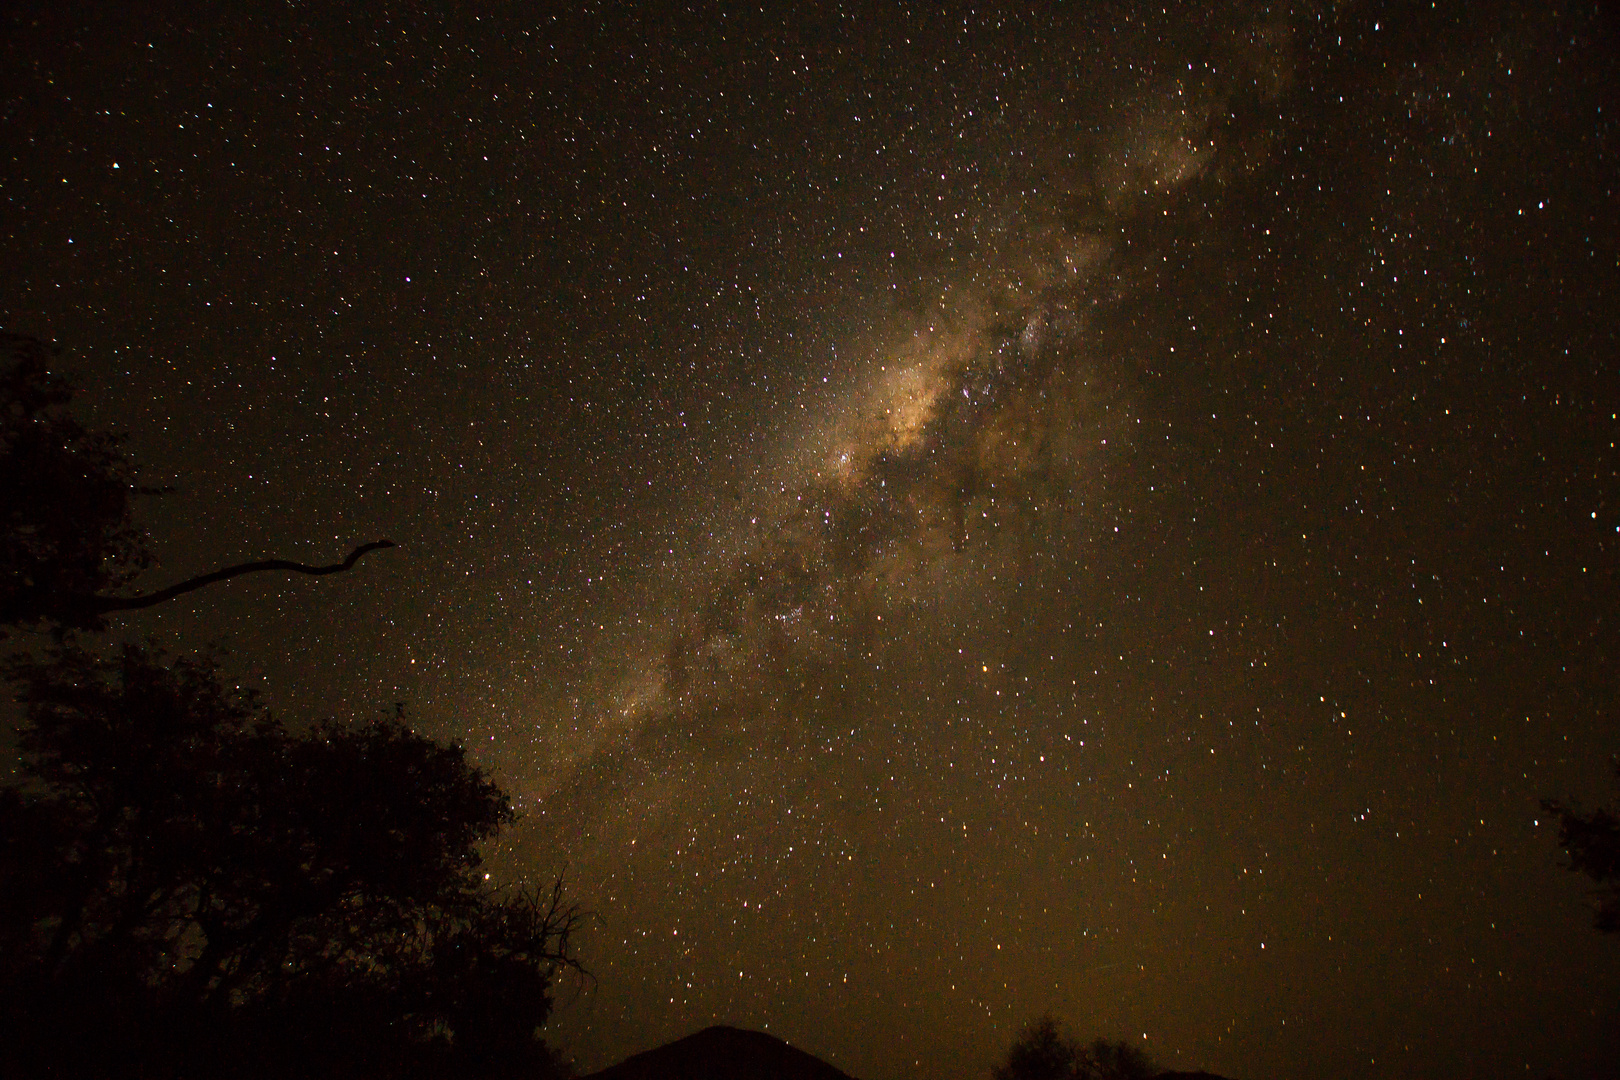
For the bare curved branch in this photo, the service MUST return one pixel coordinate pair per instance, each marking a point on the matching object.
(102, 604)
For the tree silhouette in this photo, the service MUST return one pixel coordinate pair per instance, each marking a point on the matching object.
(1043, 1052)
(182, 878)
(68, 537)
(1119, 1060)
(1592, 842)
(66, 493)
(189, 888)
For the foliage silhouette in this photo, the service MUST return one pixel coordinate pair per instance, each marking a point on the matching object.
(68, 537)
(1043, 1052)
(1592, 842)
(66, 496)
(188, 888)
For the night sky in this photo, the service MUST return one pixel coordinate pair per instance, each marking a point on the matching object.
(933, 517)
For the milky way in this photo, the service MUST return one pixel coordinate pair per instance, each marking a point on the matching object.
(965, 459)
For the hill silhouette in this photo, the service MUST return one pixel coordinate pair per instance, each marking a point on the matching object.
(722, 1053)
(728, 1053)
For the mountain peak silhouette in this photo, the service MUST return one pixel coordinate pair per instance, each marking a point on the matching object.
(722, 1053)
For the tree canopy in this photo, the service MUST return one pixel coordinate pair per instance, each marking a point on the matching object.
(1592, 842)
(189, 887)
(67, 524)
(68, 536)
(1043, 1051)
(182, 863)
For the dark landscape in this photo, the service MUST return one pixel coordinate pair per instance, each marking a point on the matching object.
(727, 1053)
